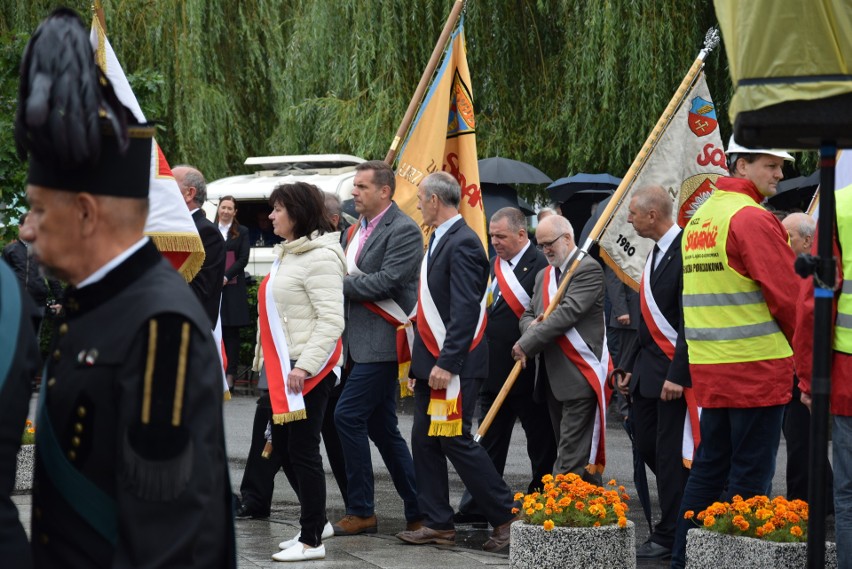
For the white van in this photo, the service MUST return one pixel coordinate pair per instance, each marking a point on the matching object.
(332, 173)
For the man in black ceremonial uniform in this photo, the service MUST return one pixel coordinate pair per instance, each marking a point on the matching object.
(131, 468)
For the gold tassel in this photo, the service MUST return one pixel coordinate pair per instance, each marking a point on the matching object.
(226, 396)
(281, 418)
(404, 391)
(442, 407)
(595, 468)
(687, 463)
(445, 428)
(267, 450)
(183, 242)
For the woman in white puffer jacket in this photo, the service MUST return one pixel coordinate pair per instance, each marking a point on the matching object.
(303, 298)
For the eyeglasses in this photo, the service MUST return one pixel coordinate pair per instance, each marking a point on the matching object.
(542, 245)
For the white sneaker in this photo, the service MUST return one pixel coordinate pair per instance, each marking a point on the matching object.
(300, 552)
(327, 532)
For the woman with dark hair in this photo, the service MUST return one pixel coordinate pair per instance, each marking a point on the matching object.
(300, 313)
(234, 311)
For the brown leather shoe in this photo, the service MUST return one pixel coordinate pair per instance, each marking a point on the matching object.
(426, 535)
(499, 539)
(413, 526)
(355, 525)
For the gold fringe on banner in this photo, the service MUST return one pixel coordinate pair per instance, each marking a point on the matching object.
(445, 428)
(281, 418)
(624, 277)
(267, 450)
(182, 243)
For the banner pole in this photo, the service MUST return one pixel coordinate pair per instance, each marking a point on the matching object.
(711, 40)
(424, 80)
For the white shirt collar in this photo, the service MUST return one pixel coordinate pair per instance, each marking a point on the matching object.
(113, 263)
(517, 258)
(666, 240)
(442, 229)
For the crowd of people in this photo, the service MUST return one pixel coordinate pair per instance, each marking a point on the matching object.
(131, 468)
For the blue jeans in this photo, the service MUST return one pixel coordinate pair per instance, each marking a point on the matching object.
(367, 408)
(842, 452)
(738, 446)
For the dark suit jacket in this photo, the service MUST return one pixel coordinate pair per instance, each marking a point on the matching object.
(581, 308)
(390, 260)
(207, 284)
(234, 296)
(502, 331)
(650, 366)
(458, 276)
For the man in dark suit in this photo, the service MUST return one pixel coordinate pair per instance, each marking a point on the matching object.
(513, 272)
(571, 335)
(447, 359)
(383, 253)
(659, 364)
(207, 284)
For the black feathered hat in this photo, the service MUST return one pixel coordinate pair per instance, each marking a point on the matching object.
(77, 134)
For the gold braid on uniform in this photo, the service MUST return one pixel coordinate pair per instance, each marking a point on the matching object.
(157, 448)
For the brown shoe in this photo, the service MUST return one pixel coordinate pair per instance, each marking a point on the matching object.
(426, 535)
(499, 539)
(354, 525)
(413, 526)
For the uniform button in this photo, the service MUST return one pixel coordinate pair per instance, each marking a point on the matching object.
(81, 411)
(56, 355)
(43, 539)
(78, 428)
(72, 455)
(75, 441)
(51, 382)
(63, 329)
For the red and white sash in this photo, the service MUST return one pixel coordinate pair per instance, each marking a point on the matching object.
(286, 406)
(390, 311)
(665, 336)
(593, 369)
(220, 349)
(445, 405)
(510, 287)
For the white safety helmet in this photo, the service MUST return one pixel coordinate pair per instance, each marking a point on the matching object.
(735, 148)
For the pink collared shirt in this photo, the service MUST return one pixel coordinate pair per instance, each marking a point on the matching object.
(367, 228)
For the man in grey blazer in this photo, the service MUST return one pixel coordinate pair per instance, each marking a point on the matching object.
(571, 399)
(383, 253)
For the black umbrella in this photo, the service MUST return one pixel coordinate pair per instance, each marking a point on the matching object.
(498, 196)
(507, 171)
(563, 188)
(795, 193)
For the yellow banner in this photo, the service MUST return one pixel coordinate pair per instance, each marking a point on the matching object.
(443, 137)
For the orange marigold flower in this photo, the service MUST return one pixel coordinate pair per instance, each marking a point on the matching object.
(547, 478)
(548, 525)
(539, 506)
(530, 511)
(597, 524)
(612, 482)
(579, 505)
(519, 496)
(548, 512)
(709, 521)
(515, 510)
(796, 530)
(622, 522)
(688, 515)
(737, 498)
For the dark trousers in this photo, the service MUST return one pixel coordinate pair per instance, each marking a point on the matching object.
(298, 443)
(541, 444)
(574, 426)
(231, 339)
(738, 446)
(797, 433)
(658, 435)
(366, 412)
(469, 459)
(259, 474)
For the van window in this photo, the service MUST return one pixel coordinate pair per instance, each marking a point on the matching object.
(254, 214)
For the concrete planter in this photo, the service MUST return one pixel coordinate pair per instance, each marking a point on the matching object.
(720, 551)
(605, 547)
(24, 472)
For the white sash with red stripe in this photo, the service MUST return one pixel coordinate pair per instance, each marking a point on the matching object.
(392, 313)
(665, 336)
(593, 369)
(445, 405)
(286, 406)
(510, 287)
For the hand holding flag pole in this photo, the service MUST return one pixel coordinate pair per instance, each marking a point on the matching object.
(711, 40)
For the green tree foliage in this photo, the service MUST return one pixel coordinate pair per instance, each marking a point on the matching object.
(567, 85)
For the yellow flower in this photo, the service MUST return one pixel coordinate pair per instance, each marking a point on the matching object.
(548, 525)
(519, 496)
(539, 506)
(530, 511)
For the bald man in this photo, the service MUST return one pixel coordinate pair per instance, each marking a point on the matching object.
(800, 227)
(207, 284)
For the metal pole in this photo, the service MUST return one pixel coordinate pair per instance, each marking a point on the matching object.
(824, 278)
